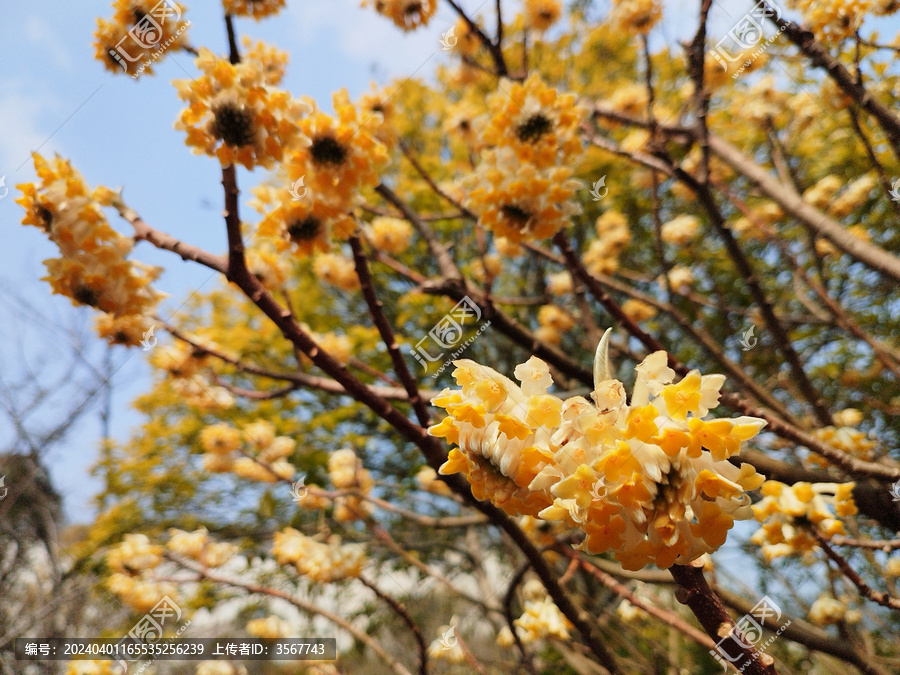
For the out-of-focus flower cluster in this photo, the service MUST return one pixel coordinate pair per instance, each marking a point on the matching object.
(844, 437)
(271, 627)
(523, 187)
(263, 456)
(138, 29)
(325, 562)
(835, 20)
(649, 480)
(183, 362)
(253, 8)
(789, 512)
(541, 14)
(347, 473)
(129, 561)
(406, 14)
(93, 268)
(636, 17)
(236, 113)
(197, 546)
(613, 235)
(540, 619)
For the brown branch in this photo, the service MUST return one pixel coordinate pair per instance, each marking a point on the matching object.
(494, 48)
(376, 310)
(818, 54)
(694, 592)
(299, 603)
(864, 589)
(886, 545)
(400, 611)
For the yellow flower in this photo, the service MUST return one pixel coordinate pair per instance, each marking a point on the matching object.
(126, 43)
(336, 270)
(789, 512)
(342, 156)
(234, 113)
(638, 310)
(541, 14)
(680, 230)
(650, 481)
(326, 562)
(390, 235)
(637, 17)
(93, 269)
(518, 200)
(406, 14)
(255, 8)
(220, 439)
(537, 122)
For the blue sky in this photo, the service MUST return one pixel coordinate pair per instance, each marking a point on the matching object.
(55, 98)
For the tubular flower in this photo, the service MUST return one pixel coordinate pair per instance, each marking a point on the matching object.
(342, 156)
(390, 235)
(537, 122)
(303, 226)
(541, 618)
(520, 201)
(650, 481)
(93, 269)
(541, 14)
(846, 439)
(406, 14)
(138, 29)
(788, 512)
(236, 115)
(255, 8)
(327, 562)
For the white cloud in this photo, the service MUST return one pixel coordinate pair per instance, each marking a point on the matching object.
(367, 37)
(20, 134)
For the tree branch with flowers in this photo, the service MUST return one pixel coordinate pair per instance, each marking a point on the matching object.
(599, 216)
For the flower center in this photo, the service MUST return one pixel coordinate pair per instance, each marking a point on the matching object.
(533, 128)
(86, 295)
(306, 229)
(327, 150)
(519, 216)
(233, 125)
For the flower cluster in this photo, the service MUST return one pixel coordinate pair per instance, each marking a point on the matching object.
(680, 231)
(236, 114)
(788, 513)
(88, 667)
(342, 155)
(182, 362)
(446, 647)
(347, 473)
(827, 610)
(139, 27)
(93, 268)
(196, 546)
(128, 562)
(271, 627)
(255, 8)
(390, 235)
(263, 456)
(649, 480)
(406, 14)
(541, 618)
(327, 562)
(613, 235)
(846, 438)
(637, 17)
(541, 14)
(833, 19)
(523, 187)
